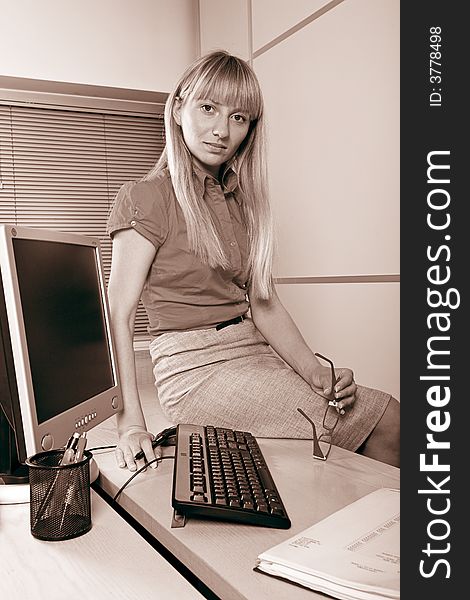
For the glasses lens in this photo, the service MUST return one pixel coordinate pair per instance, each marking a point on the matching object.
(331, 418)
(324, 441)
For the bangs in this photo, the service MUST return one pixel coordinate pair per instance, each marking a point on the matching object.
(231, 83)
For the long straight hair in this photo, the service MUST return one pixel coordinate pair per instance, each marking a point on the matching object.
(229, 80)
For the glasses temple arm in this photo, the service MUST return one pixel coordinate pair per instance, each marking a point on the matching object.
(334, 379)
(317, 451)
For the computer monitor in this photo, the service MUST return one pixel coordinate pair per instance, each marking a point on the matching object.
(58, 372)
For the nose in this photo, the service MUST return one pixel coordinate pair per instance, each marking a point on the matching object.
(220, 127)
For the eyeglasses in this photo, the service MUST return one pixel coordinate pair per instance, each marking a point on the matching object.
(322, 444)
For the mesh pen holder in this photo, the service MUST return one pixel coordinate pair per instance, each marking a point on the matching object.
(60, 507)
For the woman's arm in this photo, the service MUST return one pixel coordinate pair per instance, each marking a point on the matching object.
(282, 334)
(132, 256)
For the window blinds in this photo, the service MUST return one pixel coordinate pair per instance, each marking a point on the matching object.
(61, 169)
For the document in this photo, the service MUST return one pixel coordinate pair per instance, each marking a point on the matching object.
(354, 554)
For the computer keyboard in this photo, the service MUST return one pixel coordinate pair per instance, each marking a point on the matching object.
(221, 473)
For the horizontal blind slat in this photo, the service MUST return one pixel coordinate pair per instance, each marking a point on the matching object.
(61, 169)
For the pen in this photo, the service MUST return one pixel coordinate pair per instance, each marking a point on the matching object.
(67, 458)
(72, 441)
(81, 444)
(70, 449)
(77, 449)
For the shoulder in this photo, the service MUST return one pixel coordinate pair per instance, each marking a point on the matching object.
(147, 192)
(143, 205)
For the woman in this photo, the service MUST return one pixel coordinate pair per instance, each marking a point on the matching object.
(194, 240)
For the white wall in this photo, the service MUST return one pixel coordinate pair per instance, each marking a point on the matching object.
(136, 44)
(225, 24)
(330, 77)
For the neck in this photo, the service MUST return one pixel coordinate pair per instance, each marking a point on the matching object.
(216, 172)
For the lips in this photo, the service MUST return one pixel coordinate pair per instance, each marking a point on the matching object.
(217, 147)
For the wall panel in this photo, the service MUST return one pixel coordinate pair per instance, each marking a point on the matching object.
(356, 325)
(332, 101)
(272, 18)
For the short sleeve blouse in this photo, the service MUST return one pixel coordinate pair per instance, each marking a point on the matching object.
(181, 292)
(142, 206)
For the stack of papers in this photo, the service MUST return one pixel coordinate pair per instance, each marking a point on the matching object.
(354, 554)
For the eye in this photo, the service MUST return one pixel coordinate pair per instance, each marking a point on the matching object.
(239, 118)
(207, 108)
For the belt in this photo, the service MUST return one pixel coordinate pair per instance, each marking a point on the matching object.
(230, 322)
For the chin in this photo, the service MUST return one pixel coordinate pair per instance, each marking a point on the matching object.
(208, 164)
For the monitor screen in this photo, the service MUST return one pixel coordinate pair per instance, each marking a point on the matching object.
(59, 331)
(69, 354)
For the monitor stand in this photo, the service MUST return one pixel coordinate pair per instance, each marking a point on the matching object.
(14, 487)
(14, 493)
(18, 493)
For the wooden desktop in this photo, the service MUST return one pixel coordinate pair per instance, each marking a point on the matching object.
(110, 562)
(222, 554)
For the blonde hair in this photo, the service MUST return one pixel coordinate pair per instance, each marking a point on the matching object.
(229, 80)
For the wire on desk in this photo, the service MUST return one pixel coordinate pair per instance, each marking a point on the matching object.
(118, 493)
(102, 448)
(157, 460)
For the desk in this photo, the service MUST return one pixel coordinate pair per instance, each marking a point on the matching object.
(110, 562)
(223, 554)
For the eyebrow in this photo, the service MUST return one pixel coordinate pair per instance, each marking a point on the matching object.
(232, 109)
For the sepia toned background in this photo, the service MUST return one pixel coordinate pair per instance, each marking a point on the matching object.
(330, 76)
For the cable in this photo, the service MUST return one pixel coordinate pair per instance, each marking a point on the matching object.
(102, 448)
(157, 460)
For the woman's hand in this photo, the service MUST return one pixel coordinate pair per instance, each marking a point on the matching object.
(344, 390)
(131, 442)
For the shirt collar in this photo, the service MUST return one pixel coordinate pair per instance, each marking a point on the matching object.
(229, 179)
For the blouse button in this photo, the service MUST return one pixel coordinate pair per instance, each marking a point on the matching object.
(133, 223)
(232, 244)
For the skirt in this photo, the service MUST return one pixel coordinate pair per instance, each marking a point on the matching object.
(232, 378)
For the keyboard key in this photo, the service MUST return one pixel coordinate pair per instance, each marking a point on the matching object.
(198, 498)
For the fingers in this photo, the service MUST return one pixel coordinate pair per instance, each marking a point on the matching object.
(118, 453)
(345, 379)
(129, 454)
(345, 389)
(125, 458)
(345, 403)
(131, 445)
(151, 453)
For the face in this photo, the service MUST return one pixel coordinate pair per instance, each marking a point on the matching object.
(212, 131)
